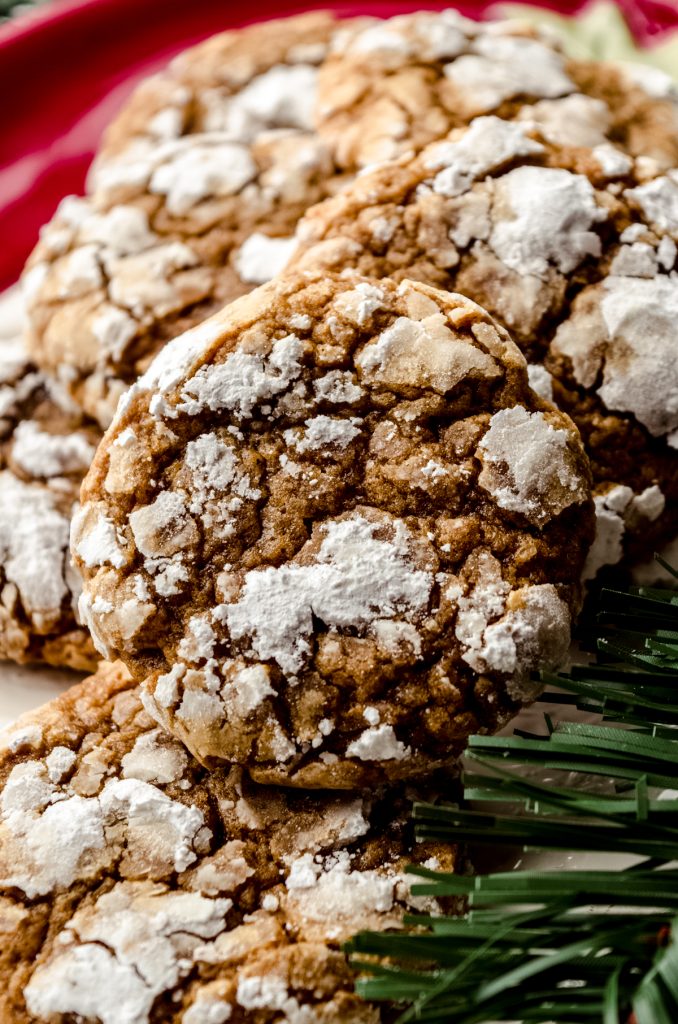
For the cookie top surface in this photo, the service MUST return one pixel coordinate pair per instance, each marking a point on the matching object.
(196, 193)
(45, 450)
(393, 86)
(240, 82)
(334, 530)
(193, 202)
(138, 888)
(574, 250)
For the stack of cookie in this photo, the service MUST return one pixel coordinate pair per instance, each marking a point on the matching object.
(379, 321)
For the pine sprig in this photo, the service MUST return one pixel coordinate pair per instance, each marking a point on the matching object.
(11, 8)
(570, 946)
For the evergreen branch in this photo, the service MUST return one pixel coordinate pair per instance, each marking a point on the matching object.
(565, 946)
(9, 7)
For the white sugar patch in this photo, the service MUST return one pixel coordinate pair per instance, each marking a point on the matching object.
(322, 432)
(423, 353)
(337, 386)
(540, 380)
(511, 633)
(502, 68)
(543, 217)
(616, 511)
(244, 379)
(528, 466)
(208, 168)
(360, 303)
(355, 578)
(53, 838)
(261, 257)
(575, 120)
(488, 143)
(33, 548)
(163, 528)
(137, 942)
(282, 97)
(41, 454)
(641, 317)
(658, 200)
(379, 743)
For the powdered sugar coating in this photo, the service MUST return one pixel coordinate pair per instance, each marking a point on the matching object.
(33, 547)
(658, 200)
(616, 510)
(499, 69)
(136, 941)
(355, 575)
(201, 180)
(575, 120)
(509, 228)
(391, 88)
(549, 216)
(572, 249)
(118, 899)
(634, 333)
(45, 449)
(193, 200)
(310, 494)
(529, 466)
(487, 145)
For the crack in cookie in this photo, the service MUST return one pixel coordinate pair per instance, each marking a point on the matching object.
(334, 531)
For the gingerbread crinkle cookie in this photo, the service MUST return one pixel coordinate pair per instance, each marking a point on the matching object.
(333, 530)
(194, 197)
(392, 87)
(46, 448)
(138, 888)
(574, 250)
(193, 201)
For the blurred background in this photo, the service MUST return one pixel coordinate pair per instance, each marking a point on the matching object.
(66, 66)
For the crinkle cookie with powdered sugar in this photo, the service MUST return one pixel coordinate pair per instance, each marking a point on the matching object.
(203, 176)
(194, 200)
(574, 250)
(136, 887)
(45, 450)
(333, 530)
(389, 87)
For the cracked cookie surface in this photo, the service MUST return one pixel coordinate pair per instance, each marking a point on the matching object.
(203, 176)
(334, 531)
(574, 250)
(193, 202)
(135, 886)
(45, 450)
(390, 87)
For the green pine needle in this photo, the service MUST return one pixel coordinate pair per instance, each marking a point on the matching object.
(559, 946)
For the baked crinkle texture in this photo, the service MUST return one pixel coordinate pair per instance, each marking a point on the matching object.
(392, 86)
(334, 530)
(574, 250)
(139, 888)
(194, 200)
(203, 176)
(45, 450)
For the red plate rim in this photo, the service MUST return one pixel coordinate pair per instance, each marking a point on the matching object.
(69, 65)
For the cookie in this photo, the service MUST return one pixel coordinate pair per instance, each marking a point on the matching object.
(45, 450)
(195, 197)
(574, 250)
(393, 86)
(138, 887)
(203, 176)
(334, 530)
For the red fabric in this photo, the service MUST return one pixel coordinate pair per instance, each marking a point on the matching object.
(66, 68)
